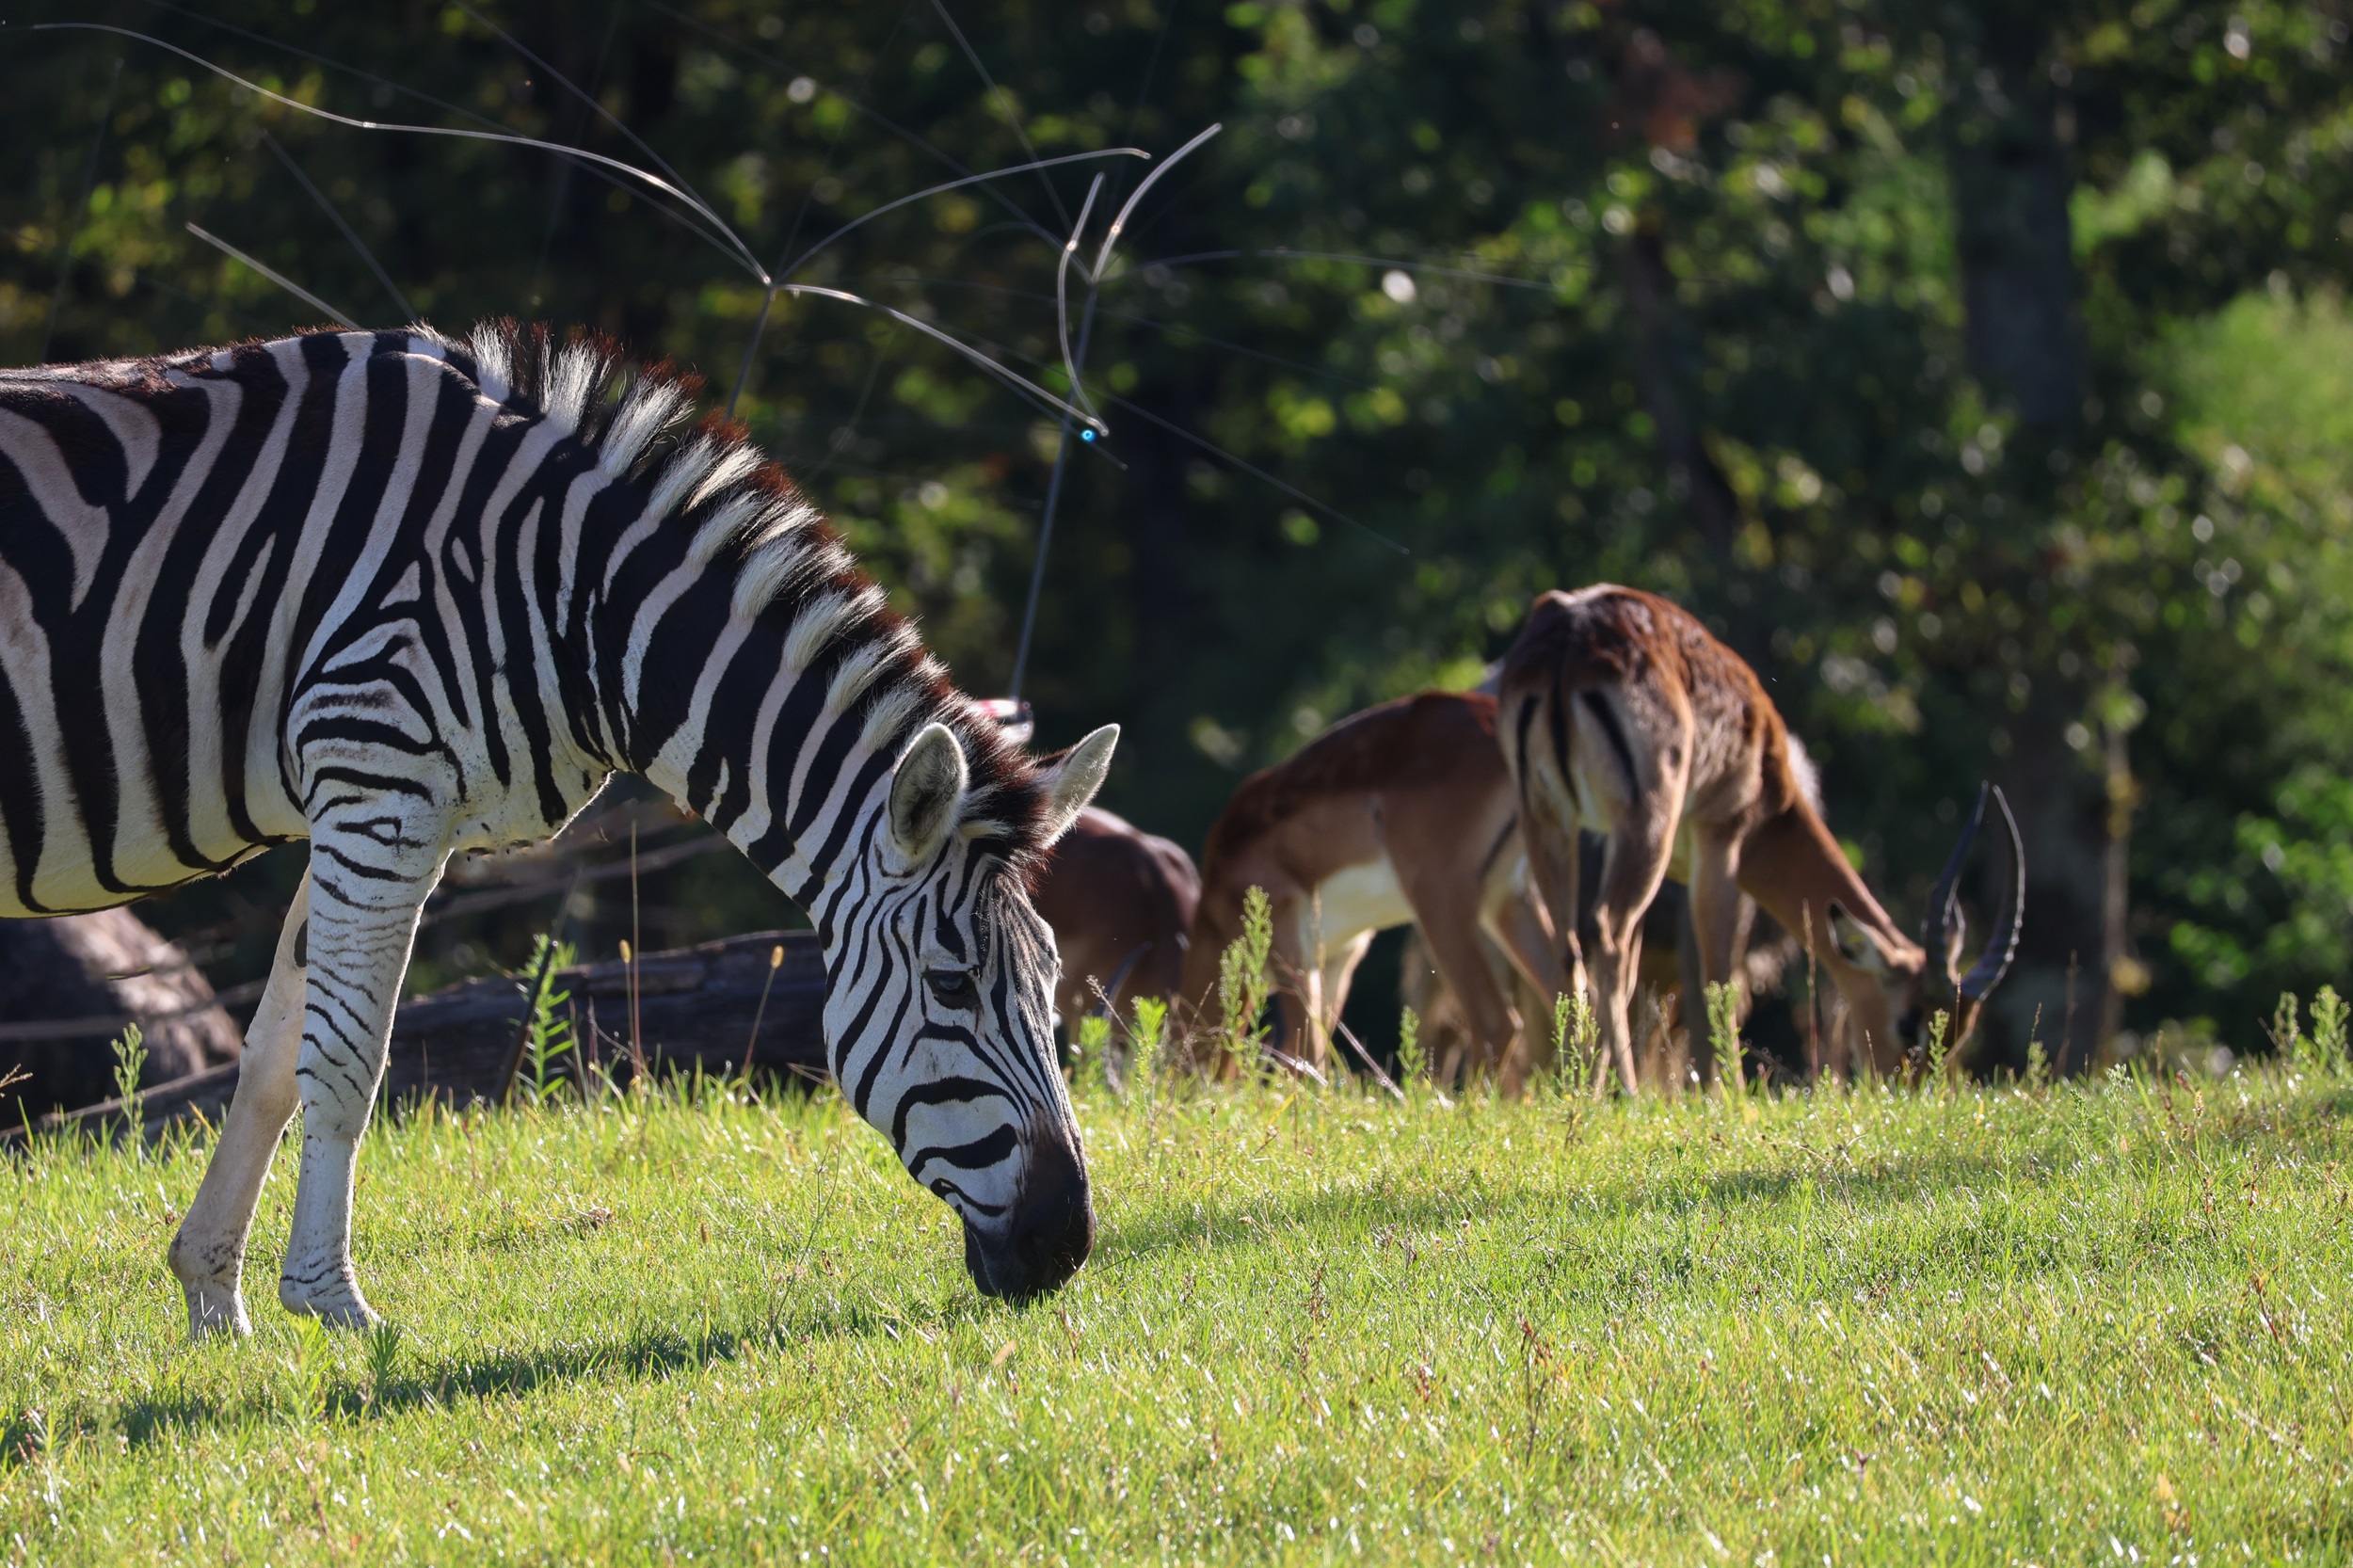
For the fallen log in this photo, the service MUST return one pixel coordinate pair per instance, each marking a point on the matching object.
(71, 985)
(696, 1008)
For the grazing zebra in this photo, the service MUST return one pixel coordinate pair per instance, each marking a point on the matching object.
(403, 595)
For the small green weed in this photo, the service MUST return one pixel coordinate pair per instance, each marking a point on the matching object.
(1091, 1053)
(1723, 1034)
(1241, 981)
(551, 1050)
(1413, 1060)
(130, 1054)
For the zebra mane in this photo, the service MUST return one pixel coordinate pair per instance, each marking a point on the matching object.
(742, 507)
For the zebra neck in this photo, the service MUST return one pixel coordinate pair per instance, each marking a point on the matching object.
(772, 751)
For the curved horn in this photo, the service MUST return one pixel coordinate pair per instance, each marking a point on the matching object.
(1940, 927)
(2001, 945)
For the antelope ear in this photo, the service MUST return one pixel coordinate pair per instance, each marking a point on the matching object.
(1853, 943)
(926, 794)
(1072, 778)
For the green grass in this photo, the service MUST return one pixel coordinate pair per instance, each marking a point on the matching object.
(1987, 1327)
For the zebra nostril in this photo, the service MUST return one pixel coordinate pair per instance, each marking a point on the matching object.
(1053, 1255)
(1055, 1235)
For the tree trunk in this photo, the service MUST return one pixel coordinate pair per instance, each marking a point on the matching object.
(2011, 186)
(1661, 344)
(69, 986)
(2012, 180)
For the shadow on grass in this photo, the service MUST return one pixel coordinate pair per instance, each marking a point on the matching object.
(643, 1354)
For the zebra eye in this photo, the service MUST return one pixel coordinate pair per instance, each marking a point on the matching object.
(953, 988)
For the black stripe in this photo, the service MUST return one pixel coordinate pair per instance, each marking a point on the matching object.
(19, 802)
(166, 691)
(978, 1155)
(940, 1091)
(870, 776)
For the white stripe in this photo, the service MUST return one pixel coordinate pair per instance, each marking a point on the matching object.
(61, 872)
(391, 508)
(748, 828)
(650, 612)
(208, 804)
(582, 490)
(142, 846)
(83, 526)
(267, 778)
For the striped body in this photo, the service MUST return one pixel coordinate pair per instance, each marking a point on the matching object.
(403, 596)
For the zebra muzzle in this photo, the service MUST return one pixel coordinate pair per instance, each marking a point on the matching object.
(1051, 1235)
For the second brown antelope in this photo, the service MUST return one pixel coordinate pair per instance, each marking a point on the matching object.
(1622, 715)
(1401, 813)
(1119, 901)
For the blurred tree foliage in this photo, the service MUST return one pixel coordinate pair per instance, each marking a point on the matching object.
(1978, 370)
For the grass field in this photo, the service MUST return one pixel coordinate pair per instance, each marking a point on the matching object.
(2101, 1323)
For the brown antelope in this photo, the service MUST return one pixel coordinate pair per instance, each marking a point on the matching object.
(1627, 717)
(1668, 972)
(1119, 901)
(1401, 813)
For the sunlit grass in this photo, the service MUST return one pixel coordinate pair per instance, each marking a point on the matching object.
(1993, 1326)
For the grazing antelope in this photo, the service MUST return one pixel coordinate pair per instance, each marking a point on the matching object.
(1625, 716)
(1679, 1049)
(1401, 813)
(1119, 901)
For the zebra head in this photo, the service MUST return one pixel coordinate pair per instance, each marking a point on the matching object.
(940, 1010)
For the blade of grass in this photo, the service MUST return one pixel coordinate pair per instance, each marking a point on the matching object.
(1053, 500)
(1020, 383)
(760, 327)
(733, 241)
(366, 255)
(1062, 297)
(1256, 473)
(273, 275)
(863, 218)
(563, 155)
(1119, 224)
(751, 1041)
(1028, 224)
(1005, 107)
(589, 101)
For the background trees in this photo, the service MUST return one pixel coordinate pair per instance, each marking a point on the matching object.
(1978, 371)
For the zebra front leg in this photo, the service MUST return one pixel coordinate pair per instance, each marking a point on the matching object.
(208, 1254)
(363, 917)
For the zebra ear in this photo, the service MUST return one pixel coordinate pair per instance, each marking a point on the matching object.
(1072, 778)
(926, 792)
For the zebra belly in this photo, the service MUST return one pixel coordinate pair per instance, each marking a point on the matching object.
(73, 888)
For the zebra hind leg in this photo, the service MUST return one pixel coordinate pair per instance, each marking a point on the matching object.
(361, 925)
(208, 1253)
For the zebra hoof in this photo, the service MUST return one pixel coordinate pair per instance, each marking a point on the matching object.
(216, 1313)
(338, 1304)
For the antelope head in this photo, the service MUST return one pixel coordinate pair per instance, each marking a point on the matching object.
(1905, 986)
